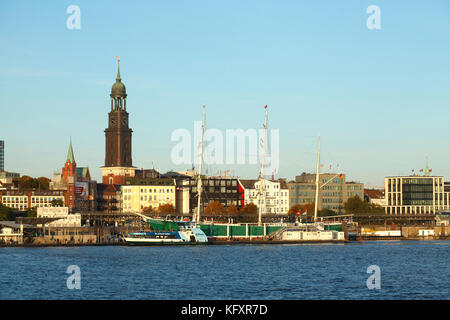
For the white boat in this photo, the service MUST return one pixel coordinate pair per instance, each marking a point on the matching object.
(168, 232)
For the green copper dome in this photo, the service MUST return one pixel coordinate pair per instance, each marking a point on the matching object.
(118, 88)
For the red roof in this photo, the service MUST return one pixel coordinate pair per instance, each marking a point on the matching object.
(374, 193)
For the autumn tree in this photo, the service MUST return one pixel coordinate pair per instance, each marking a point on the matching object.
(166, 208)
(232, 210)
(27, 182)
(249, 208)
(295, 209)
(214, 207)
(43, 183)
(148, 209)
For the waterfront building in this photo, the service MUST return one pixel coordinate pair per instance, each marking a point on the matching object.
(62, 214)
(8, 177)
(79, 189)
(5, 177)
(118, 162)
(23, 200)
(416, 195)
(375, 196)
(138, 194)
(147, 173)
(275, 200)
(225, 190)
(109, 197)
(334, 190)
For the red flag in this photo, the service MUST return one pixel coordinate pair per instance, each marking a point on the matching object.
(430, 170)
(265, 107)
(340, 176)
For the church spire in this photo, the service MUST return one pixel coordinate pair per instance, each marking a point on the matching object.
(118, 70)
(70, 156)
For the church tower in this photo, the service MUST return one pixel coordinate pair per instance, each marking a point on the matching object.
(70, 167)
(118, 162)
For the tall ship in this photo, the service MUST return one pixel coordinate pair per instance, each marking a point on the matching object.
(196, 231)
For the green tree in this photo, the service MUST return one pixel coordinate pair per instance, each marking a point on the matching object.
(326, 213)
(32, 213)
(6, 213)
(356, 205)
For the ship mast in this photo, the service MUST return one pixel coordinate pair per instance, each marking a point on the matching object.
(261, 177)
(199, 181)
(317, 182)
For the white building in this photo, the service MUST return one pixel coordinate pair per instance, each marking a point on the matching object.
(150, 193)
(62, 213)
(275, 199)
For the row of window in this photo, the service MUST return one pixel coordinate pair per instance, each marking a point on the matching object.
(268, 201)
(275, 194)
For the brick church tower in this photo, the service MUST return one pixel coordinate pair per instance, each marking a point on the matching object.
(118, 162)
(70, 167)
(69, 175)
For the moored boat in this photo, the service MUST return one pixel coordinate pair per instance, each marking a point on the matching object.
(168, 232)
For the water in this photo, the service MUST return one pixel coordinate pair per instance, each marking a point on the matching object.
(409, 270)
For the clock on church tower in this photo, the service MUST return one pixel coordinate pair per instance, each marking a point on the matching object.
(118, 160)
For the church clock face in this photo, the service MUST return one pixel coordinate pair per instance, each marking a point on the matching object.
(124, 122)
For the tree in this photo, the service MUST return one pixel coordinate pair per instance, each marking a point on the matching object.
(6, 213)
(32, 212)
(214, 207)
(308, 208)
(250, 208)
(326, 213)
(358, 206)
(166, 208)
(148, 210)
(232, 210)
(27, 182)
(294, 209)
(43, 183)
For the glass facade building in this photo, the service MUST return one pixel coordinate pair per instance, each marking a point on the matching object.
(416, 195)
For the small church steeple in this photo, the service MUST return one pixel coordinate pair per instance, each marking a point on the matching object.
(70, 167)
(70, 157)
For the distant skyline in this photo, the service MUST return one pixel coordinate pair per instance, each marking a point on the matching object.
(380, 99)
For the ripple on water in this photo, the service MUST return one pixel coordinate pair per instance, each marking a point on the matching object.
(409, 270)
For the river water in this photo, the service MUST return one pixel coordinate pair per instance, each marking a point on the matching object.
(408, 270)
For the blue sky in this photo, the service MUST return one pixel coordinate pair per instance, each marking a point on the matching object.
(380, 99)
